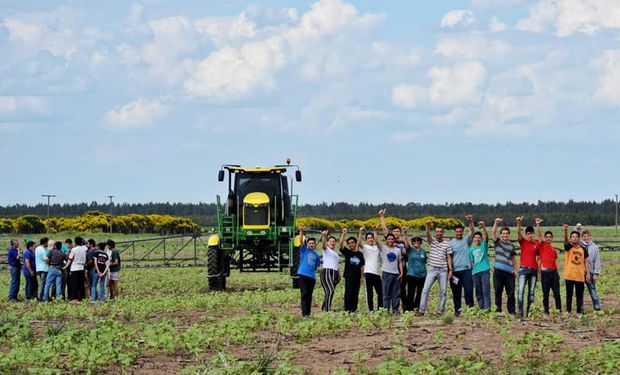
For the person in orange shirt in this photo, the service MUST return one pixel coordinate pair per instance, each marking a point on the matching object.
(550, 279)
(576, 270)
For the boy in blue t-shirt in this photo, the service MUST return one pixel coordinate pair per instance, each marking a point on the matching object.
(309, 262)
(479, 258)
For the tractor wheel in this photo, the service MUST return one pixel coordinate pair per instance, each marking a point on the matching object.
(295, 267)
(217, 276)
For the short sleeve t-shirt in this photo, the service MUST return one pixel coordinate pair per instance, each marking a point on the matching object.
(116, 256)
(353, 262)
(331, 259)
(102, 259)
(78, 254)
(40, 253)
(504, 251)
(416, 262)
(460, 253)
(479, 257)
(529, 250)
(309, 261)
(29, 256)
(548, 256)
(371, 259)
(438, 254)
(389, 259)
(575, 263)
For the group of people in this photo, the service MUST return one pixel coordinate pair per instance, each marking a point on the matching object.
(399, 270)
(73, 270)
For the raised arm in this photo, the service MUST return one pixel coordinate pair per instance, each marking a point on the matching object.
(539, 232)
(383, 223)
(496, 224)
(377, 240)
(565, 227)
(324, 239)
(428, 224)
(301, 236)
(470, 220)
(342, 235)
(406, 239)
(485, 232)
(360, 233)
(519, 220)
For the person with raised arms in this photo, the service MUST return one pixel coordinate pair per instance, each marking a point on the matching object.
(398, 242)
(529, 267)
(576, 270)
(505, 267)
(594, 263)
(309, 262)
(462, 283)
(353, 265)
(415, 273)
(479, 258)
(370, 270)
(439, 267)
(549, 277)
(392, 272)
(330, 276)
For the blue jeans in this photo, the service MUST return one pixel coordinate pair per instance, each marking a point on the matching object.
(482, 284)
(596, 302)
(15, 279)
(526, 276)
(42, 278)
(93, 288)
(433, 274)
(53, 276)
(391, 292)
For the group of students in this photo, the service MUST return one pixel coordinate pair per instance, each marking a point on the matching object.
(73, 270)
(398, 269)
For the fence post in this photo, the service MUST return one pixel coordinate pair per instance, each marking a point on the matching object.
(165, 251)
(195, 254)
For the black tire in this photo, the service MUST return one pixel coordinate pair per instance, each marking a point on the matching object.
(217, 276)
(295, 267)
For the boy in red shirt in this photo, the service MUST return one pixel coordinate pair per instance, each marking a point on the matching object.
(549, 277)
(530, 264)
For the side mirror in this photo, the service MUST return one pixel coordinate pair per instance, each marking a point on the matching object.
(220, 175)
(298, 175)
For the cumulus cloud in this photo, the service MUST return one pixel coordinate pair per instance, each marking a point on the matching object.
(140, 113)
(474, 45)
(458, 84)
(409, 96)
(457, 17)
(608, 88)
(571, 16)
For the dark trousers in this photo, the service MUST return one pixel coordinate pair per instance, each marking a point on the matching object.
(32, 286)
(414, 292)
(579, 287)
(42, 278)
(373, 282)
(503, 280)
(76, 285)
(16, 273)
(404, 286)
(466, 283)
(329, 281)
(550, 281)
(351, 292)
(306, 287)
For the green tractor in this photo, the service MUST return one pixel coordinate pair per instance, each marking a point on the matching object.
(256, 225)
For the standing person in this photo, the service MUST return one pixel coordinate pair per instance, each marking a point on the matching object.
(330, 276)
(462, 281)
(530, 266)
(66, 249)
(594, 263)
(505, 268)
(309, 262)
(101, 260)
(370, 271)
(415, 274)
(56, 260)
(353, 265)
(40, 253)
(549, 277)
(479, 257)
(15, 264)
(77, 260)
(30, 272)
(439, 267)
(89, 267)
(115, 270)
(399, 243)
(392, 272)
(576, 270)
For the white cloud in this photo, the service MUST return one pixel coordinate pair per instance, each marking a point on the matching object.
(474, 45)
(13, 105)
(608, 89)
(572, 16)
(459, 84)
(140, 113)
(496, 26)
(457, 17)
(409, 96)
(223, 30)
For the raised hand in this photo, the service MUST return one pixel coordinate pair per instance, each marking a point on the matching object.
(405, 229)
(324, 232)
(538, 221)
(361, 230)
(481, 224)
(382, 212)
(498, 220)
(469, 218)
(519, 219)
(565, 226)
(374, 227)
(428, 223)
(301, 228)
(344, 230)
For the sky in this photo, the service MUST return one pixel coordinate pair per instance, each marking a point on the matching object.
(479, 101)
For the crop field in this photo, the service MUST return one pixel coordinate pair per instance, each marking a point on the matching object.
(167, 321)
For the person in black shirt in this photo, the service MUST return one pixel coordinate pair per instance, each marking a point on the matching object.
(354, 264)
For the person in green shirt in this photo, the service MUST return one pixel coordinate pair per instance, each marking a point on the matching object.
(416, 270)
(479, 258)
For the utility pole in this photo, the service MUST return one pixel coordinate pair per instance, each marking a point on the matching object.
(111, 205)
(616, 215)
(48, 196)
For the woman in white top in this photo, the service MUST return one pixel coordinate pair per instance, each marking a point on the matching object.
(372, 275)
(329, 274)
(77, 260)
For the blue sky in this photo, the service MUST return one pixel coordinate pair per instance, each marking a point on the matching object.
(399, 101)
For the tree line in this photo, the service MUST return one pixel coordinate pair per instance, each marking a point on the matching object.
(204, 214)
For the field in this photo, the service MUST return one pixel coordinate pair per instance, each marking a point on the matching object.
(168, 322)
